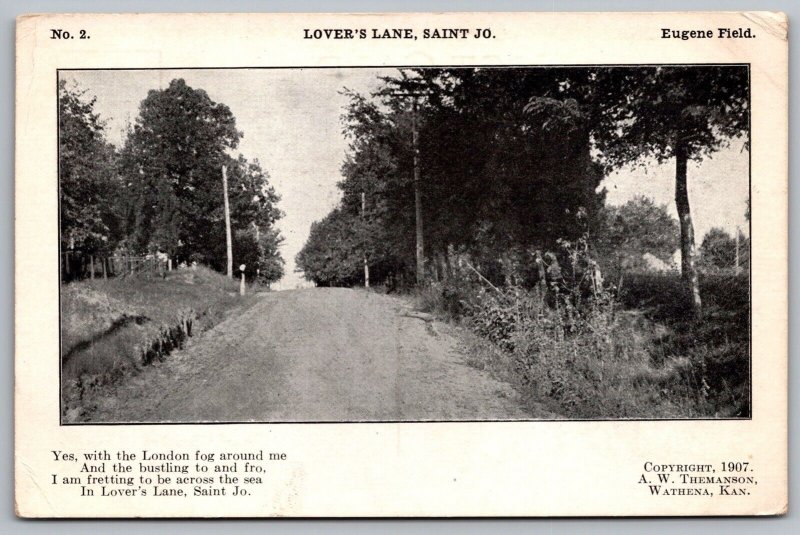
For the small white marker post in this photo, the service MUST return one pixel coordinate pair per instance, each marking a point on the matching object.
(241, 286)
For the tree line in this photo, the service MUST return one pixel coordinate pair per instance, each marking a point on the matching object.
(161, 192)
(509, 161)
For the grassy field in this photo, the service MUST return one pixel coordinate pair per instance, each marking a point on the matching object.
(635, 353)
(111, 328)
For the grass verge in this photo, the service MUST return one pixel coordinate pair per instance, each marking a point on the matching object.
(111, 328)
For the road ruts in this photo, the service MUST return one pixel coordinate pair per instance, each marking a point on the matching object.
(316, 355)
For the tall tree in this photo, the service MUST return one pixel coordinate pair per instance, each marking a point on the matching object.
(172, 159)
(375, 167)
(89, 216)
(670, 113)
(489, 181)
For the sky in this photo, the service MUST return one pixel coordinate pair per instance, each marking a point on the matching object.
(291, 123)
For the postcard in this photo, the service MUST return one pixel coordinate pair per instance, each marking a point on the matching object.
(401, 265)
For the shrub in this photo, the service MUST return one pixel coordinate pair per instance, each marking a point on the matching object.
(585, 352)
(451, 299)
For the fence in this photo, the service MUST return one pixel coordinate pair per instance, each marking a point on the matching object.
(76, 265)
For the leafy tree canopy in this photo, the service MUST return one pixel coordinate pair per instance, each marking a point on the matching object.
(163, 191)
(172, 161)
(87, 178)
(492, 177)
(719, 250)
(625, 233)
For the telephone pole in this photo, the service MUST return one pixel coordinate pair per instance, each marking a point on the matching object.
(363, 218)
(228, 240)
(417, 195)
(420, 250)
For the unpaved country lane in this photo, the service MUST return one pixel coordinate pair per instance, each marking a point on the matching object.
(322, 354)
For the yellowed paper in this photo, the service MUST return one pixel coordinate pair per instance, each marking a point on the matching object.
(331, 402)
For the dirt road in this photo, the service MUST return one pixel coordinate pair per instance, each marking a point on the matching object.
(323, 354)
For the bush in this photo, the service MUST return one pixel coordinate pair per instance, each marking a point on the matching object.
(451, 299)
(585, 352)
(663, 296)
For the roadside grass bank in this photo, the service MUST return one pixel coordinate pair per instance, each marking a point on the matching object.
(111, 328)
(632, 353)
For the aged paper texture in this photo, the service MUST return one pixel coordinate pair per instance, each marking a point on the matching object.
(506, 264)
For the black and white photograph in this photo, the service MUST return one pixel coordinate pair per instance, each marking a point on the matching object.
(404, 244)
(401, 265)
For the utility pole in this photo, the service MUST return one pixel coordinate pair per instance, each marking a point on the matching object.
(363, 218)
(417, 195)
(736, 265)
(228, 240)
(420, 256)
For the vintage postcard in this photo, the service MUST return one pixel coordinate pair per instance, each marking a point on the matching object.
(464, 264)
